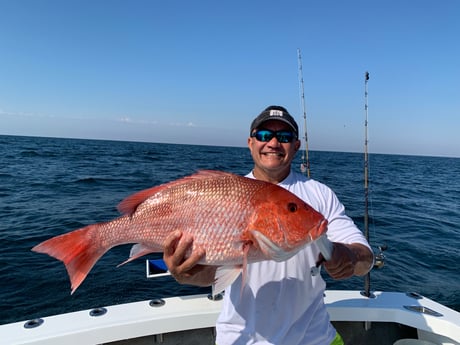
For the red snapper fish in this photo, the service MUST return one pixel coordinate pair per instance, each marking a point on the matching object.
(236, 220)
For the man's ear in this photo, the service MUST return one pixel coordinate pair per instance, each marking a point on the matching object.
(297, 145)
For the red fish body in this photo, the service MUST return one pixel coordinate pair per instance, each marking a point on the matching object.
(234, 218)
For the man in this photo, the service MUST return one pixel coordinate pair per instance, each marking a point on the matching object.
(281, 302)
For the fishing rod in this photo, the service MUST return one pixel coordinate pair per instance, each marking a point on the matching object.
(367, 278)
(366, 162)
(305, 163)
(379, 261)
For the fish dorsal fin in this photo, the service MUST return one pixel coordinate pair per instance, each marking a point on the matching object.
(209, 173)
(130, 204)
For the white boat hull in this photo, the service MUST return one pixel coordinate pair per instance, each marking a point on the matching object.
(191, 320)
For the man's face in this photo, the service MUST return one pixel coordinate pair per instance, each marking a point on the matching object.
(273, 156)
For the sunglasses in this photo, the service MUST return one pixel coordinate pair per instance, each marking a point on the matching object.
(266, 135)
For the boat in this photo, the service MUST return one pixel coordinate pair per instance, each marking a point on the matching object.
(380, 318)
(377, 318)
(385, 318)
(361, 317)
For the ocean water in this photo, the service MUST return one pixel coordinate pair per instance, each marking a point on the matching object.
(50, 186)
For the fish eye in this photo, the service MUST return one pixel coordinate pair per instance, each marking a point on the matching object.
(292, 207)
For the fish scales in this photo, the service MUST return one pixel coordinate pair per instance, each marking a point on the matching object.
(205, 209)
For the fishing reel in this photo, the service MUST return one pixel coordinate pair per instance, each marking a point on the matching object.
(380, 258)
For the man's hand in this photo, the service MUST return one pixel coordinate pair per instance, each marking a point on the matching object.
(186, 270)
(348, 260)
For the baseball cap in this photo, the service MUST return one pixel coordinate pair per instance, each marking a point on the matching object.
(278, 113)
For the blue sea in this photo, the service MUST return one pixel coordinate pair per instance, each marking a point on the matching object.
(50, 186)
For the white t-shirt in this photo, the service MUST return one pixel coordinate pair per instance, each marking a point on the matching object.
(281, 302)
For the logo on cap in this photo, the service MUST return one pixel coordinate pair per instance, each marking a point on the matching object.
(274, 112)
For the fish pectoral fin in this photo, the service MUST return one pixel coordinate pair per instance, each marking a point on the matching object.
(270, 249)
(137, 251)
(225, 276)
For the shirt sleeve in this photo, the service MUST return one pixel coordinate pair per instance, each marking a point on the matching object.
(341, 227)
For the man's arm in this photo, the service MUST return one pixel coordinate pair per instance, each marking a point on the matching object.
(186, 270)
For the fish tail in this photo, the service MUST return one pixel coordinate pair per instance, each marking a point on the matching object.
(78, 250)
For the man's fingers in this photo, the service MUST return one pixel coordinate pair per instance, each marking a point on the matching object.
(183, 244)
(341, 265)
(176, 247)
(191, 261)
(171, 243)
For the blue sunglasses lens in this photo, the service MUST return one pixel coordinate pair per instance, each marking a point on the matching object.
(266, 135)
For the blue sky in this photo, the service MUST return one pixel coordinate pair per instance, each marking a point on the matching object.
(197, 72)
